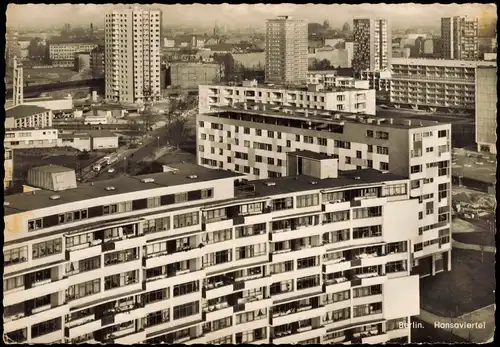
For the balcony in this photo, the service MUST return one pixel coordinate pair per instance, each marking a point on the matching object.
(84, 251)
(300, 334)
(39, 315)
(178, 255)
(297, 314)
(173, 278)
(123, 243)
(131, 338)
(218, 311)
(37, 290)
(336, 285)
(291, 232)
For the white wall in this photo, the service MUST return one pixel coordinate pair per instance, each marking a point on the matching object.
(401, 297)
(104, 142)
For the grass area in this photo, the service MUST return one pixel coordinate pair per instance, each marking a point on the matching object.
(476, 238)
(467, 287)
(422, 332)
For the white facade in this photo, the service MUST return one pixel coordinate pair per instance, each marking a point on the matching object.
(28, 116)
(256, 143)
(51, 104)
(218, 268)
(342, 99)
(286, 50)
(8, 167)
(98, 119)
(486, 109)
(104, 142)
(30, 138)
(132, 55)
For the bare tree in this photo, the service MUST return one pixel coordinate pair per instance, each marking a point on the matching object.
(177, 132)
(149, 117)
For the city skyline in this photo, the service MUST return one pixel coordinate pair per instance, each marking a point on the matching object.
(401, 15)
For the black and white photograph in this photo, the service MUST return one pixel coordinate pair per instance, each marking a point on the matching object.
(230, 174)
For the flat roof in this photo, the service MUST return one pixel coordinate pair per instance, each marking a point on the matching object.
(51, 169)
(22, 111)
(101, 133)
(325, 116)
(290, 184)
(293, 88)
(123, 184)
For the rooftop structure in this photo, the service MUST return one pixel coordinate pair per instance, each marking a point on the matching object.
(24, 111)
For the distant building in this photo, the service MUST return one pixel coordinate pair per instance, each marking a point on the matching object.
(372, 45)
(102, 139)
(250, 61)
(82, 61)
(286, 50)
(486, 109)
(338, 57)
(333, 42)
(77, 140)
(132, 67)
(8, 167)
(401, 52)
(30, 138)
(97, 62)
(169, 43)
(191, 74)
(28, 116)
(66, 51)
(427, 83)
(490, 56)
(379, 80)
(23, 47)
(428, 47)
(460, 36)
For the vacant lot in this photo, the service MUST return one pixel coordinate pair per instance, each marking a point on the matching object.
(467, 287)
(476, 238)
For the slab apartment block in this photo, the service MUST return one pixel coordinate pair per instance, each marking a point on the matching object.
(201, 256)
(256, 142)
(436, 84)
(314, 96)
(460, 38)
(286, 50)
(132, 55)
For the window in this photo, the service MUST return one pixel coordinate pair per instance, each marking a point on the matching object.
(46, 327)
(282, 204)
(336, 297)
(297, 138)
(121, 280)
(270, 134)
(289, 143)
(340, 97)
(429, 149)
(154, 202)
(121, 257)
(217, 236)
(370, 163)
(216, 258)
(322, 141)
(396, 247)
(15, 256)
(308, 139)
(157, 295)
(333, 217)
(367, 212)
(186, 219)
(382, 135)
(186, 310)
(186, 288)
(365, 232)
(256, 171)
(13, 283)
(416, 169)
(218, 324)
(84, 265)
(281, 267)
(367, 309)
(382, 150)
(47, 248)
(336, 236)
(82, 290)
(348, 160)
(358, 154)
(226, 340)
(367, 291)
(417, 247)
(281, 287)
(158, 317)
(394, 189)
(442, 133)
(250, 230)
(338, 315)
(34, 224)
(251, 316)
(370, 148)
(384, 166)
(395, 266)
(270, 161)
(307, 200)
(305, 263)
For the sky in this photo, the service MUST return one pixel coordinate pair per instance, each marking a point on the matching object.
(244, 15)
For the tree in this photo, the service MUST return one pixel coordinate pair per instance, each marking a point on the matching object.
(149, 117)
(177, 132)
(37, 49)
(346, 27)
(321, 65)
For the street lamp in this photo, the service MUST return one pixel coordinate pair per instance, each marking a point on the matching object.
(158, 138)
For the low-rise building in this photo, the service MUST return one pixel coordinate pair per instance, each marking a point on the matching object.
(77, 140)
(8, 167)
(312, 96)
(30, 138)
(28, 116)
(65, 51)
(103, 139)
(379, 80)
(437, 84)
(199, 256)
(193, 74)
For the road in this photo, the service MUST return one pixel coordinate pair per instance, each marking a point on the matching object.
(130, 159)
